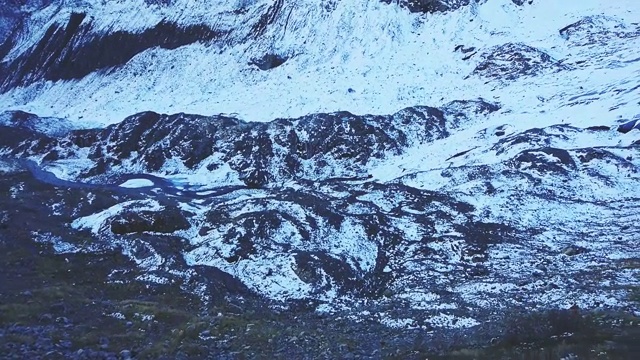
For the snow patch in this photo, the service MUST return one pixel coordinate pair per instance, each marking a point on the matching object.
(136, 183)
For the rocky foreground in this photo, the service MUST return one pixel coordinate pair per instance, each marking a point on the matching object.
(110, 255)
(58, 304)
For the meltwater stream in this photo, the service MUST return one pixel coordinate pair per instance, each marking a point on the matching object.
(159, 184)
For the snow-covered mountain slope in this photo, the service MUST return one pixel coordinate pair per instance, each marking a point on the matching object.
(361, 56)
(499, 170)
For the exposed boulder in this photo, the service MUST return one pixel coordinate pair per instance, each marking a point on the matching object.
(428, 6)
(464, 49)
(573, 250)
(268, 61)
(514, 60)
(432, 6)
(598, 128)
(628, 126)
(255, 178)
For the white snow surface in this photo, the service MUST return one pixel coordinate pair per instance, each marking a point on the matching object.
(136, 183)
(389, 57)
(7, 167)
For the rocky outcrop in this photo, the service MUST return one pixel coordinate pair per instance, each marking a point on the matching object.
(75, 49)
(394, 231)
(512, 61)
(546, 160)
(597, 29)
(168, 220)
(432, 6)
(319, 146)
(31, 122)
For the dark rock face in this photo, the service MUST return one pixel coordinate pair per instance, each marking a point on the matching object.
(392, 220)
(74, 50)
(324, 154)
(511, 61)
(189, 138)
(546, 160)
(12, 138)
(599, 156)
(267, 18)
(9, 23)
(536, 137)
(12, 14)
(167, 220)
(19, 119)
(628, 126)
(461, 110)
(316, 147)
(574, 250)
(311, 219)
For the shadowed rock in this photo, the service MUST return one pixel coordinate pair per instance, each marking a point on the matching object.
(75, 49)
(167, 220)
